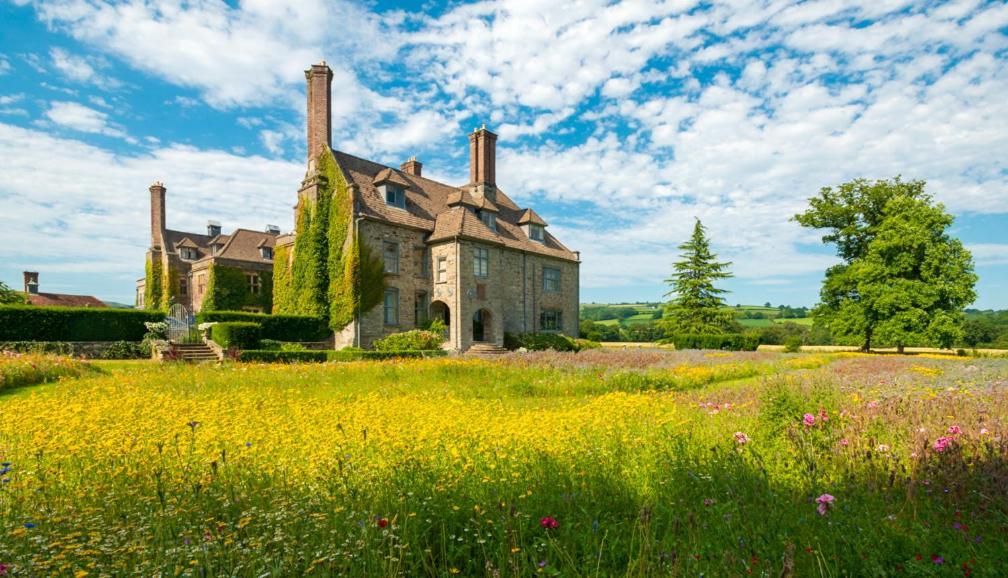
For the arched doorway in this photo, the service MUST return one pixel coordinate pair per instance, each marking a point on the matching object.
(439, 310)
(482, 325)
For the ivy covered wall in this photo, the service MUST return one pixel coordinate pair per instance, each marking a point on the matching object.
(152, 281)
(331, 275)
(282, 291)
(228, 290)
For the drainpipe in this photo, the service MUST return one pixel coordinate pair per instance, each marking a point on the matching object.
(458, 293)
(357, 320)
(524, 294)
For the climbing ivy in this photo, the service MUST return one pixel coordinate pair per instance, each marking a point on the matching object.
(228, 290)
(169, 286)
(332, 274)
(152, 286)
(282, 290)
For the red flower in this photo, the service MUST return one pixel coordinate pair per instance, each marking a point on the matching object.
(549, 523)
(382, 522)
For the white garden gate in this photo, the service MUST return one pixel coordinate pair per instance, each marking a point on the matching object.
(182, 325)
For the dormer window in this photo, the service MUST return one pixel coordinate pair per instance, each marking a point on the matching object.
(395, 196)
(489, 219)
(266, 252)
(536, 233)
(188, 254)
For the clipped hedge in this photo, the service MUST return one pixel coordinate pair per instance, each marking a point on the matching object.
(240, 334)
(277, 356)
(275, 327)
(540, 342)
(724, 341)
(413, 340)
(30, 323)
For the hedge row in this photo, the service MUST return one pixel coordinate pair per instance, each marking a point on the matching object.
(240, 334)
(30, 323)
(544, 341)
(107, 350)
(273, 356)
(725, 341)
(277, 327)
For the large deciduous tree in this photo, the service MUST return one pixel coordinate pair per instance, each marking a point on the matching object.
(9, 296)
(902, 280)
(696, 305)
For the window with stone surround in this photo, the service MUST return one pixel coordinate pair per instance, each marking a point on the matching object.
(442, 269)
(183, 286)
(420, 308)
(391, 257)
(551, 280)
(391, 306)
(266, 252)
(550, 320)
(481, 261)
(253, 284)
(188, 254)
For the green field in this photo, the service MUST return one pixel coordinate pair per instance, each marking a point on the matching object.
(601, 463)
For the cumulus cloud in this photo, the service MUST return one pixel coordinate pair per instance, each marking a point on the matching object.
(90, 213)
(81, 118)
(5, 65)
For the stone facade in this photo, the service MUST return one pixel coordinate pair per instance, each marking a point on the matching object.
(465, 254)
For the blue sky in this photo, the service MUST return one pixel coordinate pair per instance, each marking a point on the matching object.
(618, 122)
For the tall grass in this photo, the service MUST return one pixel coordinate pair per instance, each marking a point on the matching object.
(444, 467)
(19, 369)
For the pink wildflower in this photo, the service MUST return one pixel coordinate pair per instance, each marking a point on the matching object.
(822, 415)
(954, 430)
(549, 523)
(942, 443)
(983, 431)
(844, 442)
(825, 502)
(741, 438)
(808, 420)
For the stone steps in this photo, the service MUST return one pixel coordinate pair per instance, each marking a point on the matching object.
(486, 349)
(195, 352)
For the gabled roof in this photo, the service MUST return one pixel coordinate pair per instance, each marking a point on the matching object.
(390, 176)
(429, 201)
(63, 300)
(530, 216)
(241, 245)
(187, 242)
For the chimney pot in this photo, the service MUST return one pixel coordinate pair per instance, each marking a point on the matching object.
(412, 167)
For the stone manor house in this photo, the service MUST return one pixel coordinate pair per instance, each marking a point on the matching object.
(465, 254)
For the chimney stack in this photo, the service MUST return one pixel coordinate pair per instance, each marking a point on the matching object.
(157, 214)
(213, 228)
(482, 157)
(411, 167)
(319, 78)
(31, 282)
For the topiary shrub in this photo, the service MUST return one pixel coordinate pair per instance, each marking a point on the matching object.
(415, 340)
(275, 327)
(239, 334)
(31, 323)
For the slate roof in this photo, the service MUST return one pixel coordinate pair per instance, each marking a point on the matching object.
(62, 300)
(241, 245)
(440, 209)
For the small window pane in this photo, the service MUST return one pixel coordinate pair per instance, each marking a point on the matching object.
(550, 320)
(551, 279)
(391, 306)
(481, 262)
(536, 232)
(442, 269)
(391, 254)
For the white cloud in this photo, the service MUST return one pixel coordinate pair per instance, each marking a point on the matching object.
(90, 213)
(79, 69)
(989, 253)
(81, 118)
(5, 65)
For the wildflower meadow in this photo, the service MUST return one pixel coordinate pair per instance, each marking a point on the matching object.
(601, 463)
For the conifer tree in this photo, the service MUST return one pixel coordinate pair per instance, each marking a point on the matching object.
(696, 305)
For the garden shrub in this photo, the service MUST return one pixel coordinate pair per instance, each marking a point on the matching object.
(583, 344)
(275, 327)
(540, 342)
(724, 341)
(274, 345)
(239, 334)
(792, 344)
(414, 340)
(20, 369)
(30, 323)
(355, 354)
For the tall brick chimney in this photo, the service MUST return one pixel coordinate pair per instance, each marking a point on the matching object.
(411, 167)
(157, 214)
(31, 282)
(482, 157)
(319, 78)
